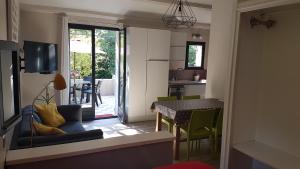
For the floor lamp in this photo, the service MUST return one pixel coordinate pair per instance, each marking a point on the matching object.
(59, 84)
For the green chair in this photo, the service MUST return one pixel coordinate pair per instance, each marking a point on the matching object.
(217, 129)
(199, 127)
(190, 97)
(169, 122)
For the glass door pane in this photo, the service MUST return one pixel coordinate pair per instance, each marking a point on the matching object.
(105, 72)
(81, 68)
(122, 77)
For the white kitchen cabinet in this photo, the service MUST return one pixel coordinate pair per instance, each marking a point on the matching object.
(157, 84)
(178, 39)
(178, 53)
(3, 20)
(158, 44)
(136, 72)
(147, 78)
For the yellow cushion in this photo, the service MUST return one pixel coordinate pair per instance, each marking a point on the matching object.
(46, 130)
(50, 114)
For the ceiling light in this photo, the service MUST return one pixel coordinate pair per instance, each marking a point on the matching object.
(179, 14)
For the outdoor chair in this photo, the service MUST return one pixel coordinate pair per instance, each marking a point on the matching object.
(89, 91)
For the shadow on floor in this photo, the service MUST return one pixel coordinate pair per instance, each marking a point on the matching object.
(113, 128)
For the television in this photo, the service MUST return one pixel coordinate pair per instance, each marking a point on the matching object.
(40, 57)
(9, 86)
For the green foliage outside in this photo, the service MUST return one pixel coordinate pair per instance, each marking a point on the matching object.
(83, 64)
(105, 64)
(192, 56)
(105, 61)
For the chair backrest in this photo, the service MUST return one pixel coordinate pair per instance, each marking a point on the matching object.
(201, 119)
(88, 78)
(191, 97)
(166, 98)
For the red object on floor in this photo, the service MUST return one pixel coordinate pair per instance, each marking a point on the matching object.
(103, 116)
(187, 165)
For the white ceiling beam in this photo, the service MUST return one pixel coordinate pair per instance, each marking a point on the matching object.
(192, 4)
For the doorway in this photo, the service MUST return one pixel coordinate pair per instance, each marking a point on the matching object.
(97, 71)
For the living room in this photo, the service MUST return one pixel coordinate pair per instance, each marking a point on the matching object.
(151, 58)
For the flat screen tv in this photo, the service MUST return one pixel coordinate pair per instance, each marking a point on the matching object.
(40, 57)
(9, 85)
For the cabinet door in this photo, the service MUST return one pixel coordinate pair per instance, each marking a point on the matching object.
(178, 39)
(3, 23)
(158, 44)
(178, 53)
(136, 72)
(157, 83)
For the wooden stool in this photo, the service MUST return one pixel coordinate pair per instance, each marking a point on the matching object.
(187, 165)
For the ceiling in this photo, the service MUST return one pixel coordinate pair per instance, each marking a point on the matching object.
(121, 8)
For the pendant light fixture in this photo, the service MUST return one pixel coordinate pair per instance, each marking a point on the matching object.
(179, 14)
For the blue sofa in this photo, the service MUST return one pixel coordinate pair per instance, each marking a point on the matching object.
(73, 127)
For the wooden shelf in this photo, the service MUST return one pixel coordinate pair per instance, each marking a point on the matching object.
(268, 155)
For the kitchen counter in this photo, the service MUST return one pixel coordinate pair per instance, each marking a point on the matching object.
(186, 82)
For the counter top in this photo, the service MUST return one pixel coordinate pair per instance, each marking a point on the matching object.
(186, 82)
(29, 155)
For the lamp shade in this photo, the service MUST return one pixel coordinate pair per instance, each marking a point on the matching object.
(59, 82)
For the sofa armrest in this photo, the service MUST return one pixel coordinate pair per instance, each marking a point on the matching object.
(70, 112)
(37, 141)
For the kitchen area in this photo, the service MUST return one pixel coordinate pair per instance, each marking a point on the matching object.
(162, 62)
(188, 62)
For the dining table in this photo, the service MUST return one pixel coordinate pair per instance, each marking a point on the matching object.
(180, 112)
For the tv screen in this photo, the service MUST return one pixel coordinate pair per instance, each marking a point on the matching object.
(40, 57)
(9, 85)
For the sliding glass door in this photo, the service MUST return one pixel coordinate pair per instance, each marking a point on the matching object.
(97, 71)
(122, 77)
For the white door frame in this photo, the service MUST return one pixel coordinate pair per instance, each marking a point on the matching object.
(246, 6)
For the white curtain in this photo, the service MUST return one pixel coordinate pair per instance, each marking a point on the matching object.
(64, 61)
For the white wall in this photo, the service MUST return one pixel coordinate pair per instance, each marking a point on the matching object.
(220, 45)
(247, 75)
(278, 102)
(40, 27)
(3, 20)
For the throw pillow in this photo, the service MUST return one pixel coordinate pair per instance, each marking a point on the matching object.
(46, 130)
(49, 114)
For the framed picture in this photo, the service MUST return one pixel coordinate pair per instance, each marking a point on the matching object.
(13, 14)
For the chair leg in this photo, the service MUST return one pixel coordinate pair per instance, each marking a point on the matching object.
(96, 101)
(82, 96)
(87, 98)
(188, 148)
(170, 128)
(99, 95)
(75, 97)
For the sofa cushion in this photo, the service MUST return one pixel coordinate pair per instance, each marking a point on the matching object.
(50, 114)
(72, 127)
(44, 130)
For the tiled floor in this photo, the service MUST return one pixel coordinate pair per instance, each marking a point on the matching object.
(113, 128)
(107, 106)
